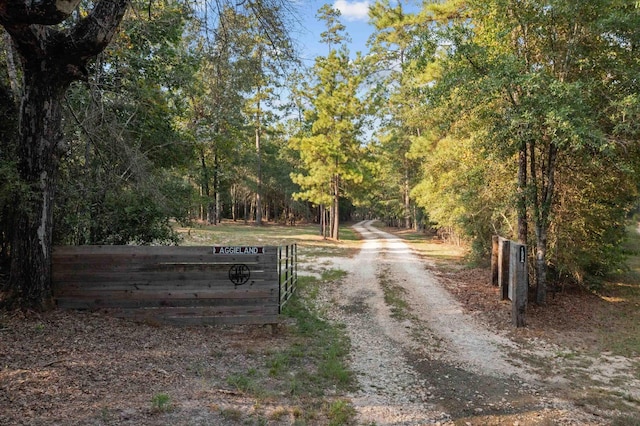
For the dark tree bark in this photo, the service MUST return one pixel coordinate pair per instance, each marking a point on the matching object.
(543, 187)
(51, 60)
(522, 194)
(258, 133)
(8, 134)
(204, 187)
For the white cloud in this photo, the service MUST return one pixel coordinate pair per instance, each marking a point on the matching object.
(353, 11)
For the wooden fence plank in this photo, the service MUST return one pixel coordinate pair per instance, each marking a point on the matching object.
(72, 287)
(167, 294)
(222, 278)
(100, 303)
(185, 285)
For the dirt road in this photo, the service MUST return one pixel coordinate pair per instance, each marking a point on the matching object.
(420, 359)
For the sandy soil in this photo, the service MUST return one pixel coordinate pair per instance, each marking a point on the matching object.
(438, 364)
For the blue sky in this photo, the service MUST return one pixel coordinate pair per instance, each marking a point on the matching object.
(353, 16)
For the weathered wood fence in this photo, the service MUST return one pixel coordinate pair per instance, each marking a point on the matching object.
(177, 285)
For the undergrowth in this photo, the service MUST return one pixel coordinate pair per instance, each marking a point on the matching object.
(325, 344)
(311, 369)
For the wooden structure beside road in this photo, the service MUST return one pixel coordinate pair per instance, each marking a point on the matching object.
(509, 273)
(177, 285)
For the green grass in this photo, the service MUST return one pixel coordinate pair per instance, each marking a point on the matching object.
(348, 234)
(246, 382)
(394, 297)
(230, 233)
(332, 275)
(313, 363)
(340, 413)
(310, 243)
(567, 355)
(161, 402)
(326, 344)
(238, 233)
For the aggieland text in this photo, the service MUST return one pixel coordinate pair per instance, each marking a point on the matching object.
(238, 250)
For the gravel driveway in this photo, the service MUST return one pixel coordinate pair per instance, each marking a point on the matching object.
(433, 363)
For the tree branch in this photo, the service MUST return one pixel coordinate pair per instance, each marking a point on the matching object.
(69, 50)
(43, 12)
(92, 34)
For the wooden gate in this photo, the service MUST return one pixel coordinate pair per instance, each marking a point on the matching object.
(177, 285)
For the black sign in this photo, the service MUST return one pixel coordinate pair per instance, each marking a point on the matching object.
(238, 250)
(239, 274)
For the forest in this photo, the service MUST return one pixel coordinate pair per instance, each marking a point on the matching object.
(469, 118)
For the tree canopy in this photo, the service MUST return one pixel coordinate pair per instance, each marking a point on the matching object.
(466, 117)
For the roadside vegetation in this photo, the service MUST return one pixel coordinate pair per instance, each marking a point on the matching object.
(621, 291)
(594, 330)
(310, 369)
(213, 116)
(295, 373)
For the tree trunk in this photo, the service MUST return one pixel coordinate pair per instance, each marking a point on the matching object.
(259, 166)
(234, 203)
(335, 209)
(415, 218)
(323, 222)
(276, 211)
(246, 210)
(38, 154)
(204, 187)
(543, 189)
(51, 59)
(406, 198)
(216, 189)
(522, 194)
(12, 70)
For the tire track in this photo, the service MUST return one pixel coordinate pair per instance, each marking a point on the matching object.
(437, 366)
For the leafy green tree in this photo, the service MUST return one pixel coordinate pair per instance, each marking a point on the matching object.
(270, 58)
(525, 83)
(395, 81)
(331, 149)
(51, 57)
(232, 107)
(55, 42)
(123, 140)
(214, 118)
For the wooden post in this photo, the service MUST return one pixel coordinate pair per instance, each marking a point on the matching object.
(494, 260)
(503, 267)
(279, 279)
(518, 283)
(287, 274)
